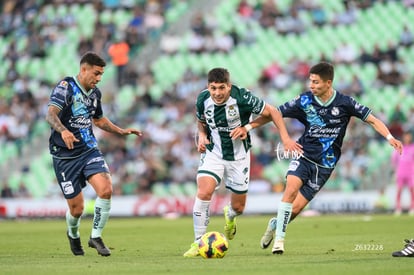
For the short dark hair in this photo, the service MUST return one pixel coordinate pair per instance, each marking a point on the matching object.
(218, 75)
(93, 59)
(324, 69)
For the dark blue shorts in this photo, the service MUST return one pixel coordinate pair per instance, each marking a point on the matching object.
(72, 174)
(313, 176)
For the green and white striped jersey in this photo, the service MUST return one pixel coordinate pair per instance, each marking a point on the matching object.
(222, 119)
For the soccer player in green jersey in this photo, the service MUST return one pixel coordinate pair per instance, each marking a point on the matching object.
(223, 111)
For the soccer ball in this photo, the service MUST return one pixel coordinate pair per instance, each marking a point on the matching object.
(213, 245)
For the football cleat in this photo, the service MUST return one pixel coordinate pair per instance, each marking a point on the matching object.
(75, 246)
(407, 251)
(269, 234)
(99, 245)
(278, 247)
(193, 251)
(230, 227)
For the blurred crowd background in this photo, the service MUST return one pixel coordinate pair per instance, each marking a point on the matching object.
(158, 53)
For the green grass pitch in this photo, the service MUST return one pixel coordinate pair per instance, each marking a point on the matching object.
(328, 244)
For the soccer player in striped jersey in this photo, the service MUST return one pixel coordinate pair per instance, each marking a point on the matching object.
(223, 111)
(325, 113)
(74, 107)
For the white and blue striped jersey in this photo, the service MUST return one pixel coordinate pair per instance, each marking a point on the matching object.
(222, 119)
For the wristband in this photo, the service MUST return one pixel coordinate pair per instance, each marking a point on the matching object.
(248, 127)
(389, 137)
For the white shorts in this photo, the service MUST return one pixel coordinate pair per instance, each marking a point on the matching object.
(235, 174)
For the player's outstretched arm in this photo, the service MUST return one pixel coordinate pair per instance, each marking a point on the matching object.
(288, 143)
(383, 130)
(105, 124)
(269, 114)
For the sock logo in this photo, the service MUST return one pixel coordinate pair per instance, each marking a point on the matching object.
(285, 220)
(97, 218)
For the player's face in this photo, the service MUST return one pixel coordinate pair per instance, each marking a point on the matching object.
(219, 92)
(318, 86)
(91, 75)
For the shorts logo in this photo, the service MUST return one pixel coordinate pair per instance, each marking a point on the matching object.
(67, 187)
(313, 185)
(294, 164)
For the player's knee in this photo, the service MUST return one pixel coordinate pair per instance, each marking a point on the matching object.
(204, 196)
(76, 211)
(105, 193)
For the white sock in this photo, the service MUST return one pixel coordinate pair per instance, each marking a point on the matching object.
(201, 217)
(283, 217)
(73, 225)
(100, 216)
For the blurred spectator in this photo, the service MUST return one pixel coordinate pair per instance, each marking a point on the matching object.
(355, 88)
(406, 37)
(389, 73)
(153, 20)
(170, 43)
(245, 9)
(6, 191)
(290, 24)
(319, 17)
(345, 54)
(22, 191)
(404, 166)
(346, 17)
(119, 53)
(269, 12)
(85, 44)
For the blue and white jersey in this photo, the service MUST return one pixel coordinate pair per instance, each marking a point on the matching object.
(78, 108)
(325, 124)
(222, 119)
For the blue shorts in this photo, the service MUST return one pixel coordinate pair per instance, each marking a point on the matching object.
(72, 174)
(313, 176)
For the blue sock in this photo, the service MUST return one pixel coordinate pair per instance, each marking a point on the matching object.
(283, 216)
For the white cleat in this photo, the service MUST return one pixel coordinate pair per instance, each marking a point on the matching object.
(278, 247)
(269, 234)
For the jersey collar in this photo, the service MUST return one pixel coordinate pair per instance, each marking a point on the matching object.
(327, 102)
(81, 87)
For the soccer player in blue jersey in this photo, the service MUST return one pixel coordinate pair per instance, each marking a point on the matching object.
(222, 111)
(325, 113)
(74, 107)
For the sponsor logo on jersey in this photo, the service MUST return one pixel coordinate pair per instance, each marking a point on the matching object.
(231, 111)
(323, 112)
(63, 84)
(80, 122)
(335, 111)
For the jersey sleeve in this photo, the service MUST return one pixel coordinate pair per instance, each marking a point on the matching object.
(99, 111)
(200, 106)
(60, 94)
(291, 108)
(357, 109)
(254, 103)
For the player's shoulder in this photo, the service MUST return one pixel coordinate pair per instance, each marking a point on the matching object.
(64, 83)
(203, 96)
(237, 90)
(243, 95)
